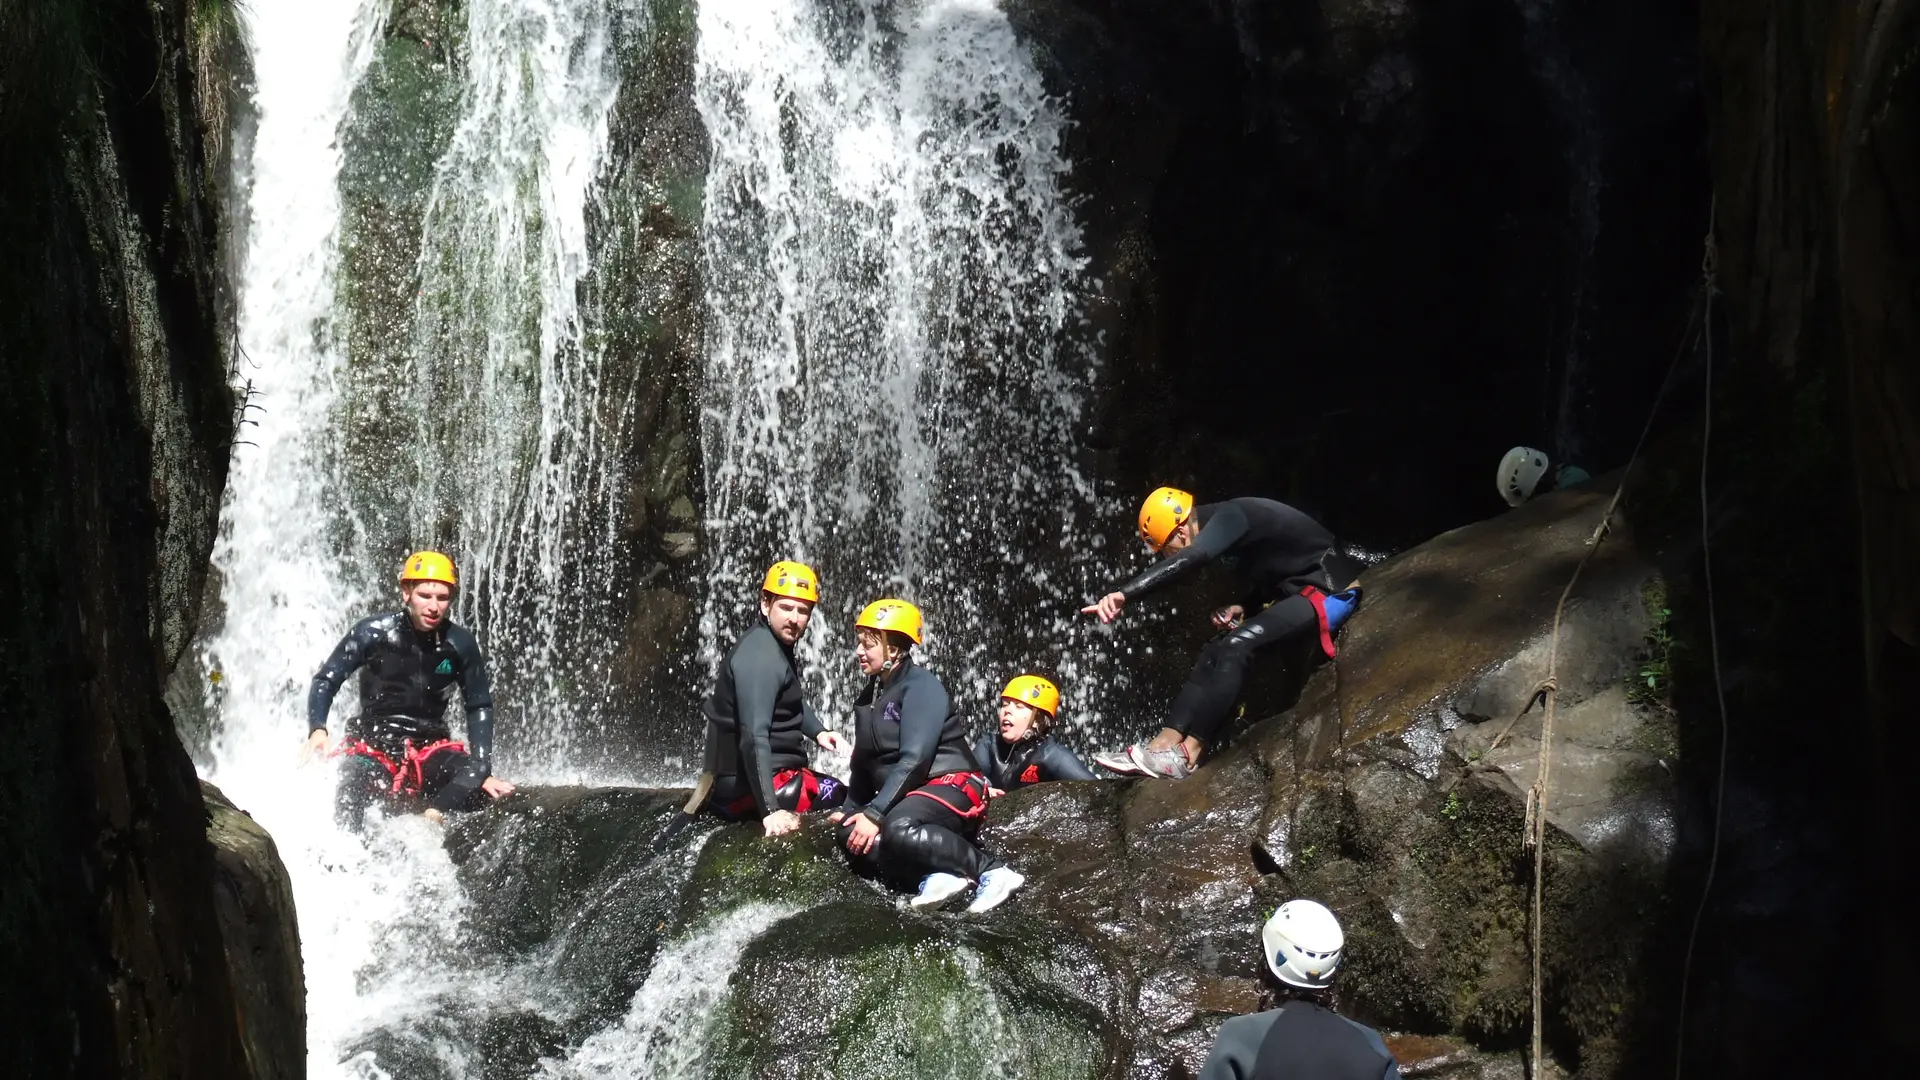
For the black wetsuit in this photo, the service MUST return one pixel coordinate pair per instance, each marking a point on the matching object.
(914, 776)
(758, 727)
(1298, 1039)
(1279, 553)
(407, 679)
(1030, 761)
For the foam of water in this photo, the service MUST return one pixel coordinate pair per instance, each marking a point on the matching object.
(667, 1029)
(894, 376)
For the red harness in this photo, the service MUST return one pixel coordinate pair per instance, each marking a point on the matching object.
(971, 784)
(1319, 601)
(407, 774)
(809, 791)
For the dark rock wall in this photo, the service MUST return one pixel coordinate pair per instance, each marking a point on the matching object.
(262, 937)
(1814, 141)
(115, 420)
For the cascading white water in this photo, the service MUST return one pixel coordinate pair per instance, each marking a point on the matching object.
(506, 466)
(894, 373)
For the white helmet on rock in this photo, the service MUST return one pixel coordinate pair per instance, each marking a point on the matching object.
(1520, 473)
(1302, 943)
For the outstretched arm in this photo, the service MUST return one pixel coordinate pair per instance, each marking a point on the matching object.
(347, 658)
(758, 673)
(1225, 528)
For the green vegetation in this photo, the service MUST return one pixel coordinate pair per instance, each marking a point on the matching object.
(1652, 683)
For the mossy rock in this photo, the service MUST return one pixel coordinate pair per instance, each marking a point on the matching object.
(859, 990)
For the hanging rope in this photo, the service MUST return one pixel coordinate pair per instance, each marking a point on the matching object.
(1710, 267)
(1547, 691)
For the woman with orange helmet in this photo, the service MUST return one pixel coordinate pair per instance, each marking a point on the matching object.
(919, 792)
(1281, 555)
(1022, 752)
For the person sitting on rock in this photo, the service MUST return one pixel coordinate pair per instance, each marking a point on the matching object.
(918, 796)
(399, 750)
(1303, 1036)
(758, 720)
(1022, 752)
(1281, 554)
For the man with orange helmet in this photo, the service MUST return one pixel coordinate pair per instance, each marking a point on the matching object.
(758, 720)
(399, 749)
(920, 796)
(1022, 752)
(1281, 554)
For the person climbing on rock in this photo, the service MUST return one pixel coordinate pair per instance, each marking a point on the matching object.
(1522, 470)
(918, 796)
(1303, 1036)
(758, 720)
(1020, 752)
(1282, 556)
(399, 750)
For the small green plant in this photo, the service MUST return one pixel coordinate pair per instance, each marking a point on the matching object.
(1652, 683)
(1453, 808)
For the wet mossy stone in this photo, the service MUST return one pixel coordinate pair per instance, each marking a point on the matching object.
(866, 991)
(738, 865)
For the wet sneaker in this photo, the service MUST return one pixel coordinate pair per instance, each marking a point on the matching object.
(936, 889)
(995, 886)
(1120, 761)
(1169, 764)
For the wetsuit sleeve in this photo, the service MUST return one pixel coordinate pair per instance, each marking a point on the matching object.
(1392, 1071)
(347, 658)
(1237, 1048)
(810, 724)
(1226, 527)
(1059, 763)
(923, 714)
(476, 692)
(759, 671)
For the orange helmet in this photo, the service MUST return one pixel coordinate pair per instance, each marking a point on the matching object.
(1164, 511)
(896, 615)
(794, 580)
(429, 566)
(1034, 691)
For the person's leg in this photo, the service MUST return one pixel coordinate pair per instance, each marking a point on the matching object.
(931, 831)
(805, 791)
(450, 782)
(362, 782)
(730, 798)
(1213, 689)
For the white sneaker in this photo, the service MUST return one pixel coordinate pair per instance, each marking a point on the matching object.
(1120, 761)
(936, 889)
(995, 886)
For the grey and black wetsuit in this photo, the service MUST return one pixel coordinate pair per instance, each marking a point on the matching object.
(407, 680)
(1281, 555)
(1010, 766)
(1298, 1039)
(914, 776)
(758, 727)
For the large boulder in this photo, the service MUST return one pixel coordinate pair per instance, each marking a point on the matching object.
(254, 898)
(1380, 792)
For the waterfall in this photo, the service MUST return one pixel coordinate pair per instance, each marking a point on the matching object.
(896, 373)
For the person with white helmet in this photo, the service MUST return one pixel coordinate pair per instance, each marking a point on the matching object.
(399, 750)
(1020, 751)
(758, 719)
(1285, 559)
(918, 796)
(1522, 469)
(1302, 944)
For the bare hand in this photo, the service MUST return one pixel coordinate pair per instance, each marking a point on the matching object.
(864, 835)
(315, 747)
(994, 793)
(1229, 616)
(780, 823)
(837, 817)
(496, 787)
(831, 740)
(1107, 607)
(433, 815)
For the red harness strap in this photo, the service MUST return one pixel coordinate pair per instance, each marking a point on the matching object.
(971, 784)
(407, 774)
(1319, 601)
(809, 791)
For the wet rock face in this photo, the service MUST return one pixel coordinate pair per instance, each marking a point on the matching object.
(1137, 932)
(254, 898)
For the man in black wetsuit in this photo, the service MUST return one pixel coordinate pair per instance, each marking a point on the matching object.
(399, 748)
(1304, 1036)
(1281, 555)
(918, 796)
(1021, 752)
(758, 721)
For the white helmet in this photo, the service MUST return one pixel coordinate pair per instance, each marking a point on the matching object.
(1520, 472)
(1303, 943)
